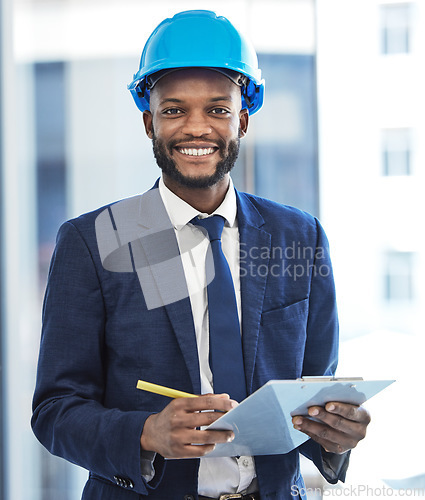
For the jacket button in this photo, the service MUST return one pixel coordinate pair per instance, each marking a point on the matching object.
(124, 483)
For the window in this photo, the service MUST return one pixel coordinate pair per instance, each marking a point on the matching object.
(395, 28)
(286, 163)
(396, 152)
(398, 276)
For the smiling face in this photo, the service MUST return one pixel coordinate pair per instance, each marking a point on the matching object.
(195, 122)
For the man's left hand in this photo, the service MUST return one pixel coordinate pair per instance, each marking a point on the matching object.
(338, 427)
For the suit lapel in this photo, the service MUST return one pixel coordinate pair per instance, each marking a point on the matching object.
(153, 218)
(254, 258)
(180, 314)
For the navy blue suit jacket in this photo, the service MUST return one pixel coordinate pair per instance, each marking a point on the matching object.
(99, 338)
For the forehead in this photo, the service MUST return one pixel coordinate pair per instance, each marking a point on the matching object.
(194, 83)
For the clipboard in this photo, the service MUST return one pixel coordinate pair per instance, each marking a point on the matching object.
(262, 423)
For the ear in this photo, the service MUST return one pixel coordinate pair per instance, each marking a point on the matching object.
(147, 120)
(243, 122)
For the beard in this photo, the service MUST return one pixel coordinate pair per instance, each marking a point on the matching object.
(163, 155)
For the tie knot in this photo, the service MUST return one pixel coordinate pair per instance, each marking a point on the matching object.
(213, 225)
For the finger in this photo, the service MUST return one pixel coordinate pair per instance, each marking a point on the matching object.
(195, 443)
(350, 412)
(197, 419)
(336, 421)
(192, 451)
(331, 439)
(188, 450)
(208, 437)
(218, 402)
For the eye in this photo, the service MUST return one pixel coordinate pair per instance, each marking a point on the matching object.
(219, 111)
(172, 111)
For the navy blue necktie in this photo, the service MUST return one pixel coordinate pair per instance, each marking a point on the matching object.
(226, 358)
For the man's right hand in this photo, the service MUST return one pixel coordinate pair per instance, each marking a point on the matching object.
(174, 432)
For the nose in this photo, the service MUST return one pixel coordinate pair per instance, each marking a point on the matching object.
(196, 124)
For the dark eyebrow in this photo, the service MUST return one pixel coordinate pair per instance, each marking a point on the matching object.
(170, 99)
(221, 98)
(179, 101)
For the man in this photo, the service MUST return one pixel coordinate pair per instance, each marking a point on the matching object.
(131, 296)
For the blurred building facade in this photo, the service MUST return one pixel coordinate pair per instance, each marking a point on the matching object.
(371, 109)
(372, 156)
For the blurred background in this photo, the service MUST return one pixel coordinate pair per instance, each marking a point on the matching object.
(341, 135)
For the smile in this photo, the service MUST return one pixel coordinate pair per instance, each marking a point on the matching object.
(196, 152)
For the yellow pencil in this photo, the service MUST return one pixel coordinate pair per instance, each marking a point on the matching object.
(164, 391)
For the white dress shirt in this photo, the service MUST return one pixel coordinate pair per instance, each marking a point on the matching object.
(224, 474)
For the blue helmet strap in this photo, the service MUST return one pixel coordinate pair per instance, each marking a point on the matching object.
(248, 88)
(246, 96)
(141, 87)
(237, 78)
(248, 92)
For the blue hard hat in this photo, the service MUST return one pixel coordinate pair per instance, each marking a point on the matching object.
(199, 39)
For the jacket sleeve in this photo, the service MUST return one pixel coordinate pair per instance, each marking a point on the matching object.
(69, 418)
(321, 352)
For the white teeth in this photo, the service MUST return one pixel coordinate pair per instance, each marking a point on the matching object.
(196, 152)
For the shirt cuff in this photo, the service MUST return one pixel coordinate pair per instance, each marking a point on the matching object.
(335, 466)
(146, 464)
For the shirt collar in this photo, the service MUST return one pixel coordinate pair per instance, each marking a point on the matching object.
(181, 213)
